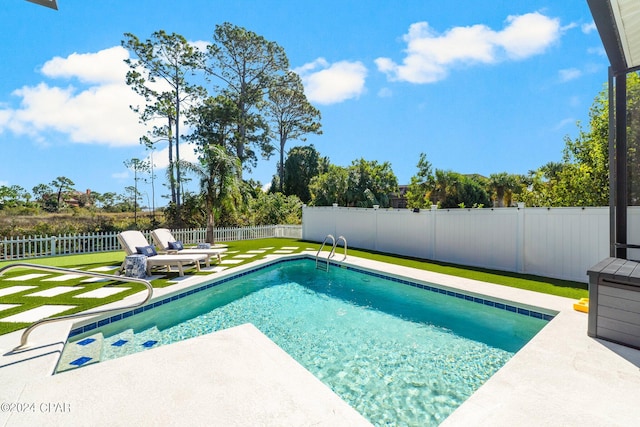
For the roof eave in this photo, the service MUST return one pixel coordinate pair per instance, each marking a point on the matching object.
(52, 4)
(609, 34)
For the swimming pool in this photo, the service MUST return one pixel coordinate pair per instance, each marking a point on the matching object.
(398, 351)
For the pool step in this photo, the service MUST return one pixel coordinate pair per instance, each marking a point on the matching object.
(83, 352)
(148, 339)
(129, 342)
(118, 345)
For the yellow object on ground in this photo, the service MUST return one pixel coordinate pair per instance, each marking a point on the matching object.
(582, 305)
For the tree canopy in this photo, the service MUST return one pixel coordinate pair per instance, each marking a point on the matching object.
(582, 177)
(219, 182)
(330, 187)
(250, 87)
(302, 165)
(245, 64)
(290, 113)
(363, 184)
(445, 188)
(160, 72)
(421, 185)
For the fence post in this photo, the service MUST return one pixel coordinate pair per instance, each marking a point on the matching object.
(375, 234)
(434, 213)
(520, 239)
(53, 245)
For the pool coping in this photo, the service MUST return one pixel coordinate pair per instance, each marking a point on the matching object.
(560, 377)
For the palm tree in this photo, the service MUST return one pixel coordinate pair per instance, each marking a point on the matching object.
(503, 184)
(444, 187)
(219, 173)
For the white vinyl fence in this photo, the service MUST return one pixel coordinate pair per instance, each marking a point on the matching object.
(561, 243)
(16, 248)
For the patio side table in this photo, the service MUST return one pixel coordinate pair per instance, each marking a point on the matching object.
(135, 266)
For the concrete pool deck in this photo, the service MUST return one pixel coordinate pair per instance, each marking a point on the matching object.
(239, 377)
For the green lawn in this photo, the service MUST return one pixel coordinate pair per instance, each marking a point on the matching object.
(90, 261)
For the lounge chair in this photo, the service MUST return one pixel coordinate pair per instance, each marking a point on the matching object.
(132, 240)
(163, 238)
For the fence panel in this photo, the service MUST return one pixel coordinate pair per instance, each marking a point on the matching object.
(565, 242)
(318, 222)
(404, 232)
(559, 242)
(26, 247)
(19, 248)
(477, 237)
(357, 225)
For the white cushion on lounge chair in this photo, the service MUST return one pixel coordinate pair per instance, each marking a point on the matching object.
(130, 240)
(162, 237)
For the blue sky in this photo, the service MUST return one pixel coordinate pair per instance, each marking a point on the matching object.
(480, 87)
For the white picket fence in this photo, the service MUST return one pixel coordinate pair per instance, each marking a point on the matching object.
(25, 247)
(561, 243)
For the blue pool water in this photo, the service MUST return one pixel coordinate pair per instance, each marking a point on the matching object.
(399, 354)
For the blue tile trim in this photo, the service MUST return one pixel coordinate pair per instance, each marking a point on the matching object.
(75, 332)
(89, 327)
(427, 287)
(86, 341)
(149, 344)
(80, 361)
(119, 343)
(470, 298)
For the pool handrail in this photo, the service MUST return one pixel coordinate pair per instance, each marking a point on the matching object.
(324, 242)
(335, 244)
(25, 334)
(333, 249)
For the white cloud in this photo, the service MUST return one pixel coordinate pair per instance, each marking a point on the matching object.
(201, 45)
(5, 119)
(326, 83)
(105, 66)
(588, 28)
(161, 157)
(569, 74)
(99, 114)
(528, 35)
(94, 112)
(430, 55)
